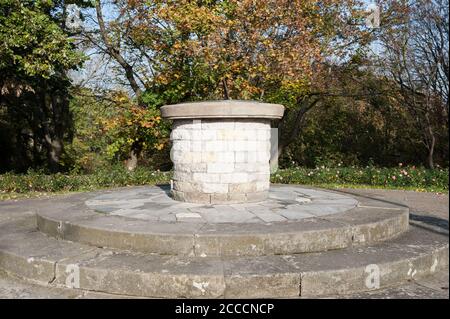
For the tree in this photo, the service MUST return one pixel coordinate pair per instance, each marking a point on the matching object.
(416, 57)
(261, 50)
(302, 54)
(34, 57)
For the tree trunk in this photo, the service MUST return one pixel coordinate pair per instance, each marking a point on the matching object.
(430, 158)
(54, 151)
(132, 162)
(303, 108)
(431, 142)
(114, 52)
(226, 94)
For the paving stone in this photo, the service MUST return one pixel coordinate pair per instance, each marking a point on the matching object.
(272, 204)
(294, 214)
(323, 210)
(270, 217)
(318, 203)
(126, 212)
(168, 218)
(188, 215)
(226, 216)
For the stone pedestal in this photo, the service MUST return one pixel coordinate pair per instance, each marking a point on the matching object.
(221, 150)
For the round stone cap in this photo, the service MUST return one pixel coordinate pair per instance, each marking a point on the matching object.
(223, 109)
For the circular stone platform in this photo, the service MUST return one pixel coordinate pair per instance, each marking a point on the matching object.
(325, 255)
(293, 220)
(284, 204)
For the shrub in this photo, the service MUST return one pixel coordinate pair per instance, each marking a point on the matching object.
(37, 181)
(401, 177)
(118, 176)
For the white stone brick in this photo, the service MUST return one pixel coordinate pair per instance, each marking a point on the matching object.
(209, 157)
(262, 186)
(198, 168)
(246, 125)
(240, 146)
(253, 124)
(187, 158)
(196, 146)
(185, 186)
(227, 135)
(181, 145)
(242, 167)
(209, 135)
(187, 124)
(180, 157)
(218, 124)
(234, 178)
(227, 124)
(215, 188)
(180, 134)
(252, 157)
(252, 167)
(179, 175)
(196, 125)
(225, 157)
(176, 156)
(250, 135)
(263, 135)
(215, 146)
(242, 188)
(209, 125)
(262, 157)
(195, 157)
(190, 167)
(181, 168)
(230, 145)
(220, 168)
(241, 157)
(259, 177)
(263, 168)
(241, 135)
(182, 124)
(196, 135)
(206, 178)
(252, 146)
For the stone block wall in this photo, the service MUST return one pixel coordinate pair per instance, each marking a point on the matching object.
(221, 160)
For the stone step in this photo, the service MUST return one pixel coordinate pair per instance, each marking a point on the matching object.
(29, 254)
(434, 286)
(371, 221)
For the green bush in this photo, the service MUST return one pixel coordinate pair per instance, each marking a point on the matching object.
(118, 176)
(36, 181)
(401, 177)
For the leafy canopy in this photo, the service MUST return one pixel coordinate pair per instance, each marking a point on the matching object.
(32, 43)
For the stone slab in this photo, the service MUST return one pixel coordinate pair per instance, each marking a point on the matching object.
(223, 110)
(45, 260)
(281, 201)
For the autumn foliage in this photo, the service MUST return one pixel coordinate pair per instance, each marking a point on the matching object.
(239, 49)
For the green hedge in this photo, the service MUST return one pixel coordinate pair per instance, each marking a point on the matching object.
(401, 177)
(104, 178)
